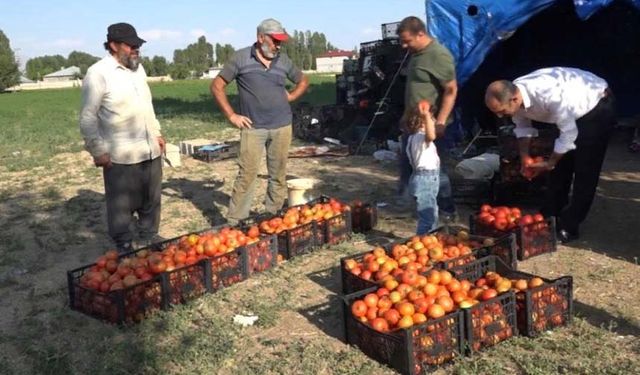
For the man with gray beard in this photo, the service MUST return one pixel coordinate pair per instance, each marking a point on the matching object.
(263, 117)
(122, 134)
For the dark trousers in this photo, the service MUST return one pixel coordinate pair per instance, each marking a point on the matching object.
(581, 167)
(129, 189)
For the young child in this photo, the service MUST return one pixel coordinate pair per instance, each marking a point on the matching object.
(423, 156)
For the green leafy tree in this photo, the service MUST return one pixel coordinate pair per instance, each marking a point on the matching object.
(179, 71)
(9, 73)
(160, 66)
(145, 61)
(223, 53)
(82, 60)
(197, 57)
(39, 67)
(304, 46)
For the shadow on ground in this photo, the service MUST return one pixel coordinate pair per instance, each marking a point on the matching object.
(205, 195)
(602, 319)
(611, 227)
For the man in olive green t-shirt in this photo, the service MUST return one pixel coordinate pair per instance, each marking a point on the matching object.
(431, 75)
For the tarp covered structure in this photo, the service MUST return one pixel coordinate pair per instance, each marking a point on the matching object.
(470, 28)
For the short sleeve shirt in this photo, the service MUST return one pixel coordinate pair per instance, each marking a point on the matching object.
(262, 92)
(428, 71)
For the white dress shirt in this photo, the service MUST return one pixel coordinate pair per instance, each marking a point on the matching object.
(422, 156)
(557, 96)
(117, 115)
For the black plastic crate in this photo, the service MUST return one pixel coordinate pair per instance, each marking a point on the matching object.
(542, 145)
(521, 193)
(540, 308)
(414, 350)
(335, 229)
(531, 240)
(302, 239)
(490, 322)
(228, 269)
(189, 282)
(263, 254)
(124, 306)
(352, 283)
(364, 217)
(471, 192)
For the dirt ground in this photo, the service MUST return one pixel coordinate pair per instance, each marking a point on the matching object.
(53, 220)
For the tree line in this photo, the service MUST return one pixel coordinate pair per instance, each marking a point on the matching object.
(194, 60)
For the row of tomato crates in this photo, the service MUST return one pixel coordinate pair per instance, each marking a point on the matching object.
(423, 347)
(131, 304)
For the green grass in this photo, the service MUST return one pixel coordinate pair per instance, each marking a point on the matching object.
(36, 125)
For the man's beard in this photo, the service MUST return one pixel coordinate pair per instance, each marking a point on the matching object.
(266, 52)
(129, 61)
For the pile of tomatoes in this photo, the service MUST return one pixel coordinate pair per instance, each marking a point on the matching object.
(418, 254)
(536, 234)
(303, 214)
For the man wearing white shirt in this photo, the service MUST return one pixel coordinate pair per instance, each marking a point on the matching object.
(120, 130)
(581, 105)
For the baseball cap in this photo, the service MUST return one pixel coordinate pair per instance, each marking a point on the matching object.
(124, 32)
(274, 29)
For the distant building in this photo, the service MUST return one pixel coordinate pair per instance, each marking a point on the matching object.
(211, 73)
(331, 62)
(24, 79)
(66, 74)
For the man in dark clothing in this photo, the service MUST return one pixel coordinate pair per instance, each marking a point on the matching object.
(431, 76)
(581, 105)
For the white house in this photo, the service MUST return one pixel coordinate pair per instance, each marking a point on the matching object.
(66, 74)
(211, 73)
(331, 62)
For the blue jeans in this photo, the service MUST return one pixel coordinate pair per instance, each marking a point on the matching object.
(424, 186)
(445, 196)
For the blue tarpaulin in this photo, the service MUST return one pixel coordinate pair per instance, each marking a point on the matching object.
(470, 28)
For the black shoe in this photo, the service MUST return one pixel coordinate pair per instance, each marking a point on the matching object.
(125, 247)
(146, 242)
(565, 236)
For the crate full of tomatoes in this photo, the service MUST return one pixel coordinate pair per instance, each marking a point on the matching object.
(126, 288)
(364, 216)
(541, 303)
(444, 248)
(535, 234)
(334, 225)
(411, 344)
(295, 229)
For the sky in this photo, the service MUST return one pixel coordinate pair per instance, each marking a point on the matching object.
(49, 27)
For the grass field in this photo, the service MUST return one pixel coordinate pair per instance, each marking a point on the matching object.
(35, 125)
(52, 220)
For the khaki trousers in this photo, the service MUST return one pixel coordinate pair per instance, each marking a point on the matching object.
(253, 142)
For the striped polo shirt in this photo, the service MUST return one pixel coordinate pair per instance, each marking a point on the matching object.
(263, 97)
